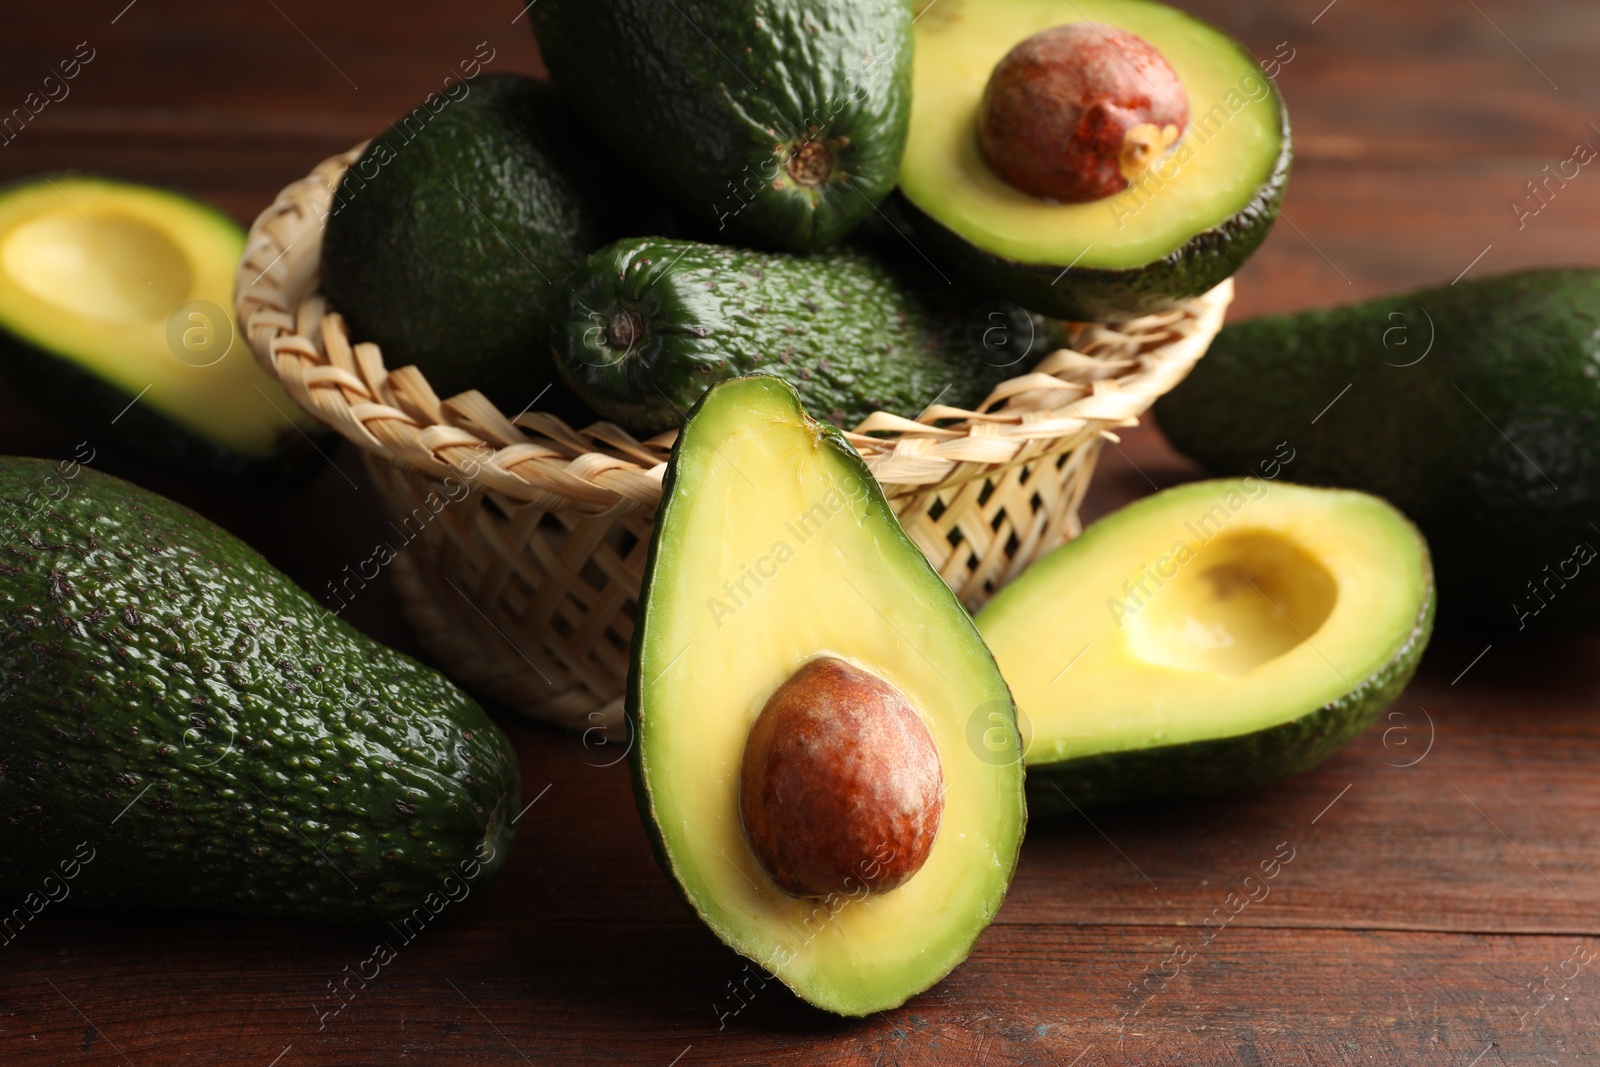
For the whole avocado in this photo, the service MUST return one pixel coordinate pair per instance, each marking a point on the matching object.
(188, 729)
(1474, 408)
(653, 323)
(449, 241)
(779, 123)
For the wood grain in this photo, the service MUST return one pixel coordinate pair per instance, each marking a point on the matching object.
(1439, 905)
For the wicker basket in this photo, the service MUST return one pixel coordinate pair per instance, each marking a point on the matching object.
(522, 542)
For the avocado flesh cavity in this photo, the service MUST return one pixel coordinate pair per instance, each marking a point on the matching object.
(779, 123)
(216, 737)
(774, 546)
(1184, 226)
(1474, 407)
(1217, 636)
(111, 291)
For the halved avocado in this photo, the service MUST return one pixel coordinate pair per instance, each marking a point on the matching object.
(782, 591)
(116, 315)
(1218, 636)
(1186, 224)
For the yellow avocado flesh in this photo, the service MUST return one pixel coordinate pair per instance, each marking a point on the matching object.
(1213, 610)
(776, 547)
(93, 272)
(1229, 149)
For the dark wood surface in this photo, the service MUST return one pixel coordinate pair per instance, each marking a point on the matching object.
(1441, 905)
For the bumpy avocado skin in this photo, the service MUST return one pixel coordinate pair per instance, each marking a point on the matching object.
(1474, 408)
(450, 240)
(854, 333)
(1093, 295)
(1230, 764)
(711, 97)
(174, 706)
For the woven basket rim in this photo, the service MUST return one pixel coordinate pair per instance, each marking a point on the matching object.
(1111, 376)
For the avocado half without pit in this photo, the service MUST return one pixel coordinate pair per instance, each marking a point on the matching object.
(804, 688)
(116, 315)
(1218, 636)
(1090, 159)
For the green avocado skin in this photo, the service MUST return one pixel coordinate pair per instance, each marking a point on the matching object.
(78, 398)
(450, 240)
(105, 412)
(854, 333)
(1472, 407)
(174, 706)
(1229, 764)
(1093, 295)
(711, 97)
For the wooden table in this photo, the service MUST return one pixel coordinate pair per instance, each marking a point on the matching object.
(1440, 906)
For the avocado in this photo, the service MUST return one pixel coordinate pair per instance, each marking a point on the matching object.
(651, 323)
(1474, 407)
(115, 316)
(804, 691)
(450, 240)
(1218, 636)
(779, 123)
(211, 735)
(1176, 230)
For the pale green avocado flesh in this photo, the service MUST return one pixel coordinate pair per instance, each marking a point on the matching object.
(1174, 233)
(113, 293)
(1216, 636)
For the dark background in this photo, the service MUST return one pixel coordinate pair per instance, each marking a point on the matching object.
(1421, 909)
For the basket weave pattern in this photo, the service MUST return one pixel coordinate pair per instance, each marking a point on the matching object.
(521, 543)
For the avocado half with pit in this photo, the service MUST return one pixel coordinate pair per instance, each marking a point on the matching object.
(1218, 636)
(826, 756)
(1090, 159)
(116, 316)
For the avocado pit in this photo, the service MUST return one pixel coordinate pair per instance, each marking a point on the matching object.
(841, 786)
(1079, 112)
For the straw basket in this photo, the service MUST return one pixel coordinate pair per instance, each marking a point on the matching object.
(521, 543)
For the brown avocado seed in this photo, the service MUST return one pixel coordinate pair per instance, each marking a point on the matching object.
(841, 787)
(1079, 112)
